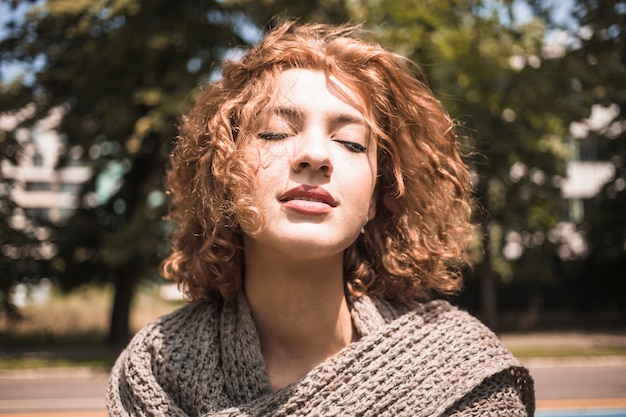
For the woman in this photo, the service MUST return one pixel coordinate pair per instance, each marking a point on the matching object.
(321, 202)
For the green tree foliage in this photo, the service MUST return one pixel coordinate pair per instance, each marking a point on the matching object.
(593, 66)
(20, 248)
(263, 13)
(601, 57)
(491, 72)
(122, 72)
(23, 241)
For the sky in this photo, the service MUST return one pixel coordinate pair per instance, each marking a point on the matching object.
(10, 70)
(561, 11)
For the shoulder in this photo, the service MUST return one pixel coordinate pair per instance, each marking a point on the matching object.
(162, 354)
(510, 391)
(450, 318)
(463, 351)
(457, 331)
(432, 313)
(476, 355)
(444, 328)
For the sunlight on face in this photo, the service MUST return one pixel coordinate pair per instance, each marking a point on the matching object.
(316, 167)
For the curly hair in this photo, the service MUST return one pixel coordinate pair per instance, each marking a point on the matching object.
(417, 242)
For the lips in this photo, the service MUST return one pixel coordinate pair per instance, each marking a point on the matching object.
(307, 199)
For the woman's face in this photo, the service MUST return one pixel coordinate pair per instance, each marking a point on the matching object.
(315, 168)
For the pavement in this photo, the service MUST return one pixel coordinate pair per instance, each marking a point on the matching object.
(573, 384)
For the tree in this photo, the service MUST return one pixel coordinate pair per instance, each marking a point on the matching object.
(600, 55)
(19, 248)
(122, 71)
(23, 247)
(515, 92)
(481, 63)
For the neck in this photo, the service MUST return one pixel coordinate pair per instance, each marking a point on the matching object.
(300, 311)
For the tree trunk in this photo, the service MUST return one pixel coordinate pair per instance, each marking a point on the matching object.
(489, 294)
(119, 326)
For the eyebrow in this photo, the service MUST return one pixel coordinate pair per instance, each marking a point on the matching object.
(287, 112)
(335, 117)
(345, 118)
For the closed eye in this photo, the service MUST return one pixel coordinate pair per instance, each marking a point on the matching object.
(353, 146)
(272, 135)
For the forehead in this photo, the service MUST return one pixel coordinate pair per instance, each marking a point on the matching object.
(317, 91)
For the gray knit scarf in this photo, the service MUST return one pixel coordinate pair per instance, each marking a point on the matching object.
(429, 360)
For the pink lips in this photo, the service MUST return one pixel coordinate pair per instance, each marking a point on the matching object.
(308, 199)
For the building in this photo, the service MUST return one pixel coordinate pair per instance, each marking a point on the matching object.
(40, 189)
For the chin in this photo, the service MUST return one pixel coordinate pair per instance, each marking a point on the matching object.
(318, 247)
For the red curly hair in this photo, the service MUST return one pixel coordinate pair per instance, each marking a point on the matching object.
(417, 241)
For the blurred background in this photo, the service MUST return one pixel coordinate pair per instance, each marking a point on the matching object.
(90, 95)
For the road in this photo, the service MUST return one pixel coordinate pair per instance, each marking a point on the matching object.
(80, 392)
(579, 384)
(65, 391)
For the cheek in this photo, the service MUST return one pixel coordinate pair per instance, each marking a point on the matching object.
(269, 174)
(263, 162)
(373, 195)
(373, 172)
(361, 180)
(271, 156)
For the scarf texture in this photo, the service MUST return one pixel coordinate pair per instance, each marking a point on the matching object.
(428, 360)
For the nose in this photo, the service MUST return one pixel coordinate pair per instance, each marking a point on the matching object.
(313, 153)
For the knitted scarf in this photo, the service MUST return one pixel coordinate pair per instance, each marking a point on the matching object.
(429, 360)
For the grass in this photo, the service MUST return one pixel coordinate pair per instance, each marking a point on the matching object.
(566, 352)
(19, 363)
